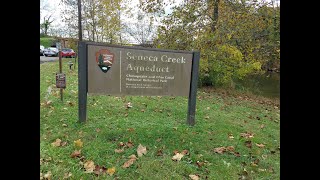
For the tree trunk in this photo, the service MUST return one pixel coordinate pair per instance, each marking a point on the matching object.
(215, 15)
(93, 34)
(46, 30)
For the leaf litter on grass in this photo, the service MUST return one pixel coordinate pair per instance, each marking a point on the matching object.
(141, 150)
(131, 160)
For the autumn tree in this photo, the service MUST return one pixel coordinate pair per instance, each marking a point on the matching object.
(235, 38)
(45, 25)
(100, 19)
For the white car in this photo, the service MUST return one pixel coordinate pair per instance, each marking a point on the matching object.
(51, 51)
(41, 50)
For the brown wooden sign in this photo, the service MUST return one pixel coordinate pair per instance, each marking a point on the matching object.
(60, 80)
(122, 71)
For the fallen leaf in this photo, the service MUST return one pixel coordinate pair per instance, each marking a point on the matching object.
(89, 166)
(141, 150)
(118, 150)
(64, 143)
(236, 154)
(206, 117)
(219, 150)
(177, 157)
(82, 158)
(244, 175)
(254, 165)
(185, 152)
(230, 148)
(98, 130)
(175, 151)
(260, 145)
(262, 126)
(133, 156)
(262, 170)
(132, 159)
(99, 170)
(129, 144)
(130, 129)
(230, 136)
(159, 152)
(159, 139)
(128, 105)
(175, 128)
(247, 135)
(111, 171)
(78, 143)
(200, 164)
(76, 153)
(48, 175)
(194, 177)
(121, 144)
(47, 103)
(56, 143)
(248, 144)
(67, 175)
(208, 108)
(48, 159)
(142, 110)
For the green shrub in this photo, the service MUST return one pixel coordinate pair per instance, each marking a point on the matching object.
(219, 66)
(47, 41)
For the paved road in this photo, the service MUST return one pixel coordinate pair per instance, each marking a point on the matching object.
(48, 59)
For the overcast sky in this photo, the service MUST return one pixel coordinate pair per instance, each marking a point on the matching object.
(53, 7)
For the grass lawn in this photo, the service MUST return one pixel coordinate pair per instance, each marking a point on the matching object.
(236, 136)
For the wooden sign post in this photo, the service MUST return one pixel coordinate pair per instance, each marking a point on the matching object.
(60, 78)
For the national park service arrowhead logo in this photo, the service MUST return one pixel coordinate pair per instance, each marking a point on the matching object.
(104, 59)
